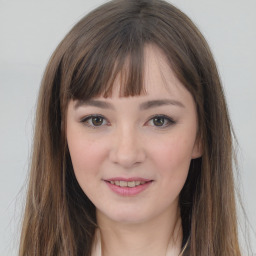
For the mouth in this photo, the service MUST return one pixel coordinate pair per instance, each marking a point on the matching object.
(127, 184)
(128, 187)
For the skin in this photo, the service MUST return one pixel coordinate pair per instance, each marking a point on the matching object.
(127, 142)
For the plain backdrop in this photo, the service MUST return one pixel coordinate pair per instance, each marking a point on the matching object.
(29, 33)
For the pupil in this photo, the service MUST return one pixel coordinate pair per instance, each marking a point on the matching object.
(158, 121)
(97, 120)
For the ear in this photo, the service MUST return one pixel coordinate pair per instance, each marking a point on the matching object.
(197, 149)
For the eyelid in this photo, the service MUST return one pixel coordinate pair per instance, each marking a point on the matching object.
(170, 120)
(85, 119)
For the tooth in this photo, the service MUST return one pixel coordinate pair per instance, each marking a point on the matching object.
(123, 183)
(142, 182)
(131, 184)
(112, 182)
(137, 183)
(117, 183)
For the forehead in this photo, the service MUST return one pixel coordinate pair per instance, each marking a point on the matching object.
(160, 84)
(147, 73)
(158, 77)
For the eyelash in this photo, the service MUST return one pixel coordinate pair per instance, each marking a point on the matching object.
(168, 121)
(88, 119)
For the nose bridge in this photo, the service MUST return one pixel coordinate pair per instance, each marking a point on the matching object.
(127, 149)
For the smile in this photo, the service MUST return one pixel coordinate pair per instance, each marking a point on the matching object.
(128, 187)
(130, 184)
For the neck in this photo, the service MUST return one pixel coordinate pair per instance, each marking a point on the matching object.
(154, 237)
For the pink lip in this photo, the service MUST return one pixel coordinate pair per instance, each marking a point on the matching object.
(127, 191)
(128, 179)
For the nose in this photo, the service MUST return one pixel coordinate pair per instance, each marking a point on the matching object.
(127, 149)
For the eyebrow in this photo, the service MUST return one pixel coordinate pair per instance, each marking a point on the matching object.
(143, 106)
(94, 103)
(158, 103)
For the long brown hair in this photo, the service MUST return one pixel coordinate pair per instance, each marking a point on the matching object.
(59, 219)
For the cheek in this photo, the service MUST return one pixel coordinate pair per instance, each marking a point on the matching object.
(87, 156)
(173, 157)
(86, 153)
(172, 161)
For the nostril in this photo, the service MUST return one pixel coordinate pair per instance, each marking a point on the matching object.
(126, 150)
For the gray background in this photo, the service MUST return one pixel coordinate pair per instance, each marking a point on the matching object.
(30, 31)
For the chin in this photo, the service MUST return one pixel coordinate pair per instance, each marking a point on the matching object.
(125, 216)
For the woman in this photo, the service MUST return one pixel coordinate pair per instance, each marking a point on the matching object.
(133, 145)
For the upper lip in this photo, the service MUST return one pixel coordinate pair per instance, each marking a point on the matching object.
(128, 179)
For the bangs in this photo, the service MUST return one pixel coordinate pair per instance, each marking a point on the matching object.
(109, 44)
(118, 55)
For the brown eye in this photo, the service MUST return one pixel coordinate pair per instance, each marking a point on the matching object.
(97, 120)
(94, 121)
(159, 121)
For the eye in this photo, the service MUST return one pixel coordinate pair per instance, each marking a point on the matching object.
(161, 121)
(94, 121)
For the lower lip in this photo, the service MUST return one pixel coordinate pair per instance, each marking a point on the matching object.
(127, 191)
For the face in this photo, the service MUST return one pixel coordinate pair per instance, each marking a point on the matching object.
(131, 155)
